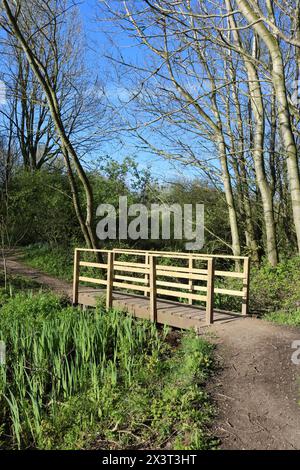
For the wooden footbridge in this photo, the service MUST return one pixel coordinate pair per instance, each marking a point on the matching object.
(177, 289)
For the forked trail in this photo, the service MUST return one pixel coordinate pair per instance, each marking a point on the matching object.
(257, 386)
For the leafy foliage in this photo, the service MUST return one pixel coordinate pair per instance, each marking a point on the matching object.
(275, 288)
(54, 260)
(98, 379)
(291, 318)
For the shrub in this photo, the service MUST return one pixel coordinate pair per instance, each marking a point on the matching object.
(275, 288)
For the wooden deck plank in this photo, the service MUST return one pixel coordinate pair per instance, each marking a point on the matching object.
(169, 312)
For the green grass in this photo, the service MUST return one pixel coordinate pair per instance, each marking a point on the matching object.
(15, 284)
(284, 318)
(98, 379)
(56, 261)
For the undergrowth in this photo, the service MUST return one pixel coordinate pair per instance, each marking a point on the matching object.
(98, 379)
(291, 318)
(54, 260)
(275, 292)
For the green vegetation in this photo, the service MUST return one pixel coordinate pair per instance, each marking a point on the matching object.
(98, 380)
(15, 284)
(275, 292)
(54, 260)
(291, 318)
(276, 288)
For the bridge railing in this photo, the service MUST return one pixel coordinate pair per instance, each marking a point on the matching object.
(238, 267)
(158, 275)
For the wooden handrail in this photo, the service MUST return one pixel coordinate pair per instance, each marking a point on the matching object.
(151, 278)
(142, 252)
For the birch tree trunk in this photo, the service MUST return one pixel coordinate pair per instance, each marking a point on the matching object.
(238, 157)
(235, 238)
(257, 110)
(284, 116)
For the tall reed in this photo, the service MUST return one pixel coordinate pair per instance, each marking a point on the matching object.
(56, 353)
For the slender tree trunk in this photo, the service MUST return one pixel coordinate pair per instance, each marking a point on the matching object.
(89, 231)
(258, 156)
(251, 241)
(272, 146)
(284, 116)
(257, 110)
(236, 247)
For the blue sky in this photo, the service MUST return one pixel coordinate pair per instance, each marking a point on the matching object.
(96, 34)
(99, 43)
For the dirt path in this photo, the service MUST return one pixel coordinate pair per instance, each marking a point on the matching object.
(18, 268)
(257, 387)
(257, 390)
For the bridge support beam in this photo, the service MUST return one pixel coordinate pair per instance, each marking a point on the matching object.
(210, 291)
(153, 293)
(110, 279)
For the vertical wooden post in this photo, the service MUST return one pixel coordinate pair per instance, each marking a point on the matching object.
(246, 278)
(153, 302)
(76, 276)
(146, 275)
(190, 280)
(210, 291)
(110, 279)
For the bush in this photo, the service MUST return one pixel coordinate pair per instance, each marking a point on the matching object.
(40, 209)
(276, 288)
(291, 318)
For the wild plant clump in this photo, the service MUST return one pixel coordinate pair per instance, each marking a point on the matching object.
(74, 378)
(55, 354)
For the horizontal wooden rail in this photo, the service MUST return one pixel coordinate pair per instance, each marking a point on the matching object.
(234, 293)
(131, 269)
(93, 265)
(122, 285)
(184, 295)
(180, 275)
(236, 274)
(92, 280)
(174, 253)
(156, 279)
(130, 278)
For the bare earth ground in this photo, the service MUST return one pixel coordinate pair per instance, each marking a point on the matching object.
(257, 388)
(257, 391)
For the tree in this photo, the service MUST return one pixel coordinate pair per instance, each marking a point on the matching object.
(254, 17)
(222, 73)
(178, 72)
(42, 49)
(258, 111)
